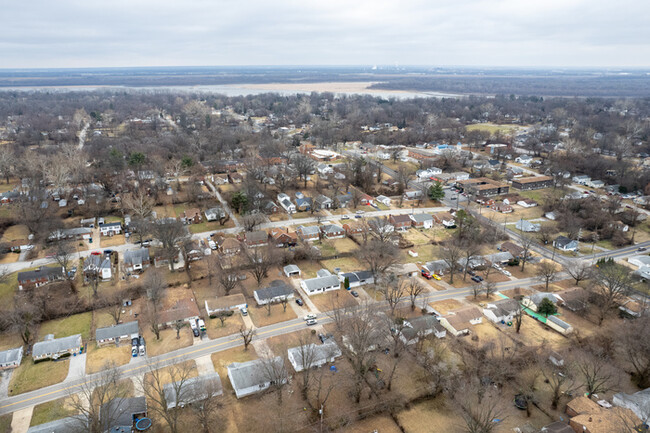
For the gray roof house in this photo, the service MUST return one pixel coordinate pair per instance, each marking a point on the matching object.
(192, 390)
(100, 264)
(11, 358)
(421, 327)
(291, 271)
(119, 414)
(113, 334)
(474, 262)
(277, 291)
(357, 278)
(215, 213)
(322, 202)
(314, 355)
(436, 266)
(499, 258)
(535, 299)
(332, 231)
(63, 425)
(323, 284)
(565, 244)
(54, 348)
(422, 220)
(39, 277)
(344, 200)
(250, 377)
(527, 226)
(639, 403)
(136, 260)
(503, 310)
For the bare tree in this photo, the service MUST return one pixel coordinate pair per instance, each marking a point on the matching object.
(155, 385)
(470, 251)
(247, 335)
(206, 410)
(477, 289)
(451, 254)
(103, 395)
(251, 221)
(596, 373)
(171, 234)
(151, 318)
(578, 270)
(479, 414)
(381, 228)
(414, 289)
(178, 325)
(23, 318)
(378, 256)
(519, 317)
(260, 263)
(613, 282)
(547, 273)
(154, 284)
(635, 351)
(304, 166)
(561, 381)
(526, 244)
(139, 203)
(489, 287)
(141, 228)
(275, 372)
(64, 256)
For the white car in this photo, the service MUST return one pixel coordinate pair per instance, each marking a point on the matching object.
(310, 316)
(506, 273)
(311, 322)
(360, 212)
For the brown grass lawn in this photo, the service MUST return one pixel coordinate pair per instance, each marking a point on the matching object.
(52, 411)
(30, 376)
(518, 291)
(438, 412)
(334, 299)
(372, 291)
(345, 245)
(98, 357)
(447, 305)
(9, 258)
(280, 216)
(426, 253)
(165, 211)
(10, 340)
(260, 316)
(166, 372)
(5, 423)
(281, 343)
(379, 423)
(8, 289)
(210, 226)
(167, 342)
(71, 325)
(222, 360)
(309, 268)
(111, 241)
(230, 326)
(346, 264)
(16, 232)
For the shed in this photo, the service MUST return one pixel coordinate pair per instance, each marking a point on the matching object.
(291, 271)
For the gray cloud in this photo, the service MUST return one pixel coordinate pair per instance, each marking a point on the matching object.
(70, 33)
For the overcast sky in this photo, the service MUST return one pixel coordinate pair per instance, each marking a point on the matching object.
(98, 33)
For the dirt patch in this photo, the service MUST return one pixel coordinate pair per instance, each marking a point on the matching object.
(517, 292)
(422, 416)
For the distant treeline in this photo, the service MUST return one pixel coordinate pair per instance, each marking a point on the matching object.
(620, 86)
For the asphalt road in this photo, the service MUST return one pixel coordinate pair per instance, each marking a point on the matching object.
(65, 389)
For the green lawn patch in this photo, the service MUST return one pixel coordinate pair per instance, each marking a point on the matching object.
(30, 376)
(5, 423)
(51, 411)
(8, 289)
(71, 325)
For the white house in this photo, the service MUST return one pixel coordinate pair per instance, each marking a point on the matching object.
(595, 184)
(501, 311)
(314, 355)
(383, 200)
(286, 204)
(54, 348)
(99, 264)
(581, 180)
(320, 284)
(459, 322)
(324, 169)
(251, 377)
(533, 301)
(136, 260)
(559, 325)
(565, 244)
(214, 214)
(277, 291)
(110, 229)
(195, 389)
(527, 226)
(291, 271)
(420, 327)
(11, 358)
(113, 334)
(358, 278)
(524, 159)
(422, 220)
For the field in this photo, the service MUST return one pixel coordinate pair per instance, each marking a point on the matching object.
(30, 376)
(51, 411)
(346, 264)
(98, 357)
(8, 288)
(329, 300)
(71, 325)
(493, 128)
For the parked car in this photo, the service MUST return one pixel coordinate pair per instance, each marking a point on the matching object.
(135, 341)
(357, 216)
(436, 277)
(477, 279)
(354, 293)
(134, 351)
(360, 212)
(323, 338)
(426, 274)
(642, 249)
(299, 302)
(506, 273)
(244, 311)
(195, 332)
(311, 322)
(345, 217)
(202, 325)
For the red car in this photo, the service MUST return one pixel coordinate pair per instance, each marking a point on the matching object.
(426, 274)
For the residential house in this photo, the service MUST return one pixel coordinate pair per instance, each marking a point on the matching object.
(332, 231)
(110, 229)
(235, 178)
(400, 222)
(136, 260)
(192, 390)
(230, 247)
(565, 244)
(581, 180)
(72, 233)
(445, 218)
(632, 308)
(501, 311)
(422, 221)
(514, 249)
(438, 267)
(485, 201)
(357, 278)
(314, 355)
(524, 159)
(182, 310)
(256, 239)
(99, 265)
(251, 377)
(88, 222)
(501, 207)
(383, 200)
(291, 271)
(344, 200)
(54, 348)
(123, 413)
(270, 207)
(595, 184)
(639, 261)
(113, 334)
(281, 237)
(39, 277)
(420, 327)
(573, 298)
(527, 203)
(527, 226)
(354, 228)
(215, 214)
(303, 204)
(531, 183)
(550, 216)
(63, 425)
(277, 291)
(11, 358)
(286, 204)
(320, 284)
(559, 325)
(413, 194)
(308, 233)
(533, 301)
(324, 169)
(191, 216)
(459, 322)
(406, 270)
(587, 416)
(639, 403)
(232, 302)
(474, 262)
(502, 258)
(322, 202)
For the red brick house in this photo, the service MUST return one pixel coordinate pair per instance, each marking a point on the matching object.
(400, 222)
(256, 238)
(192, 216)
(283, 238)
(501, 207)
(354, 228)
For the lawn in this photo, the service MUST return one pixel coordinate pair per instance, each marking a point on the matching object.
(51, 411)
(222, 360)
(379, 423)
(425, 253)
(111, 241)
(10, 340)
(209, 226)
(493, 128)
(5, 423)
(30, 376)
(8, 288)
(345, 245)
(168, 341)
(98, 357)
(326, 247)
(260, 316)
(420, 417)
(334, 299)
(71, 325)
(308, 268)
(166, 372)
(164, 211)
(15, 232)
(101, 318)
(444, 307)
(346, 264)
(230, 326)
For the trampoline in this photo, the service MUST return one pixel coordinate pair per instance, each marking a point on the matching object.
(143, 424)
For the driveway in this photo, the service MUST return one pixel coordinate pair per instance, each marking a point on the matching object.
(21, 420)
(5, 377)
(77, 367)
